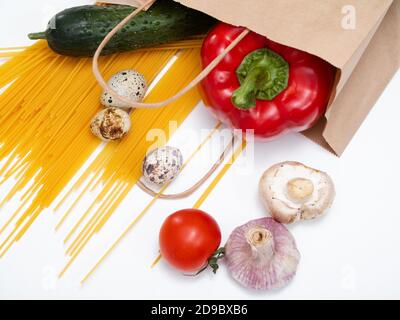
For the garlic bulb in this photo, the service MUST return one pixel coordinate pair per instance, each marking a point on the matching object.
(110, 124)
(127, 83)
(262, 254)
(291, 191)
(162, 165)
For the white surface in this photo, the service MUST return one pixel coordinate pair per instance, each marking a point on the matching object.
(352, 252)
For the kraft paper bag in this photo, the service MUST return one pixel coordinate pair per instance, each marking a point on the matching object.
(359, 37)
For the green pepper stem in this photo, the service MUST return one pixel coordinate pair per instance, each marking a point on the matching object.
(245, 96)
(263, 75)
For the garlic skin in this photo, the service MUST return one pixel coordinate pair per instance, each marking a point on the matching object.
(110, 124)
(127, 83)
(262, 255)
(162, 165)
(292, 191)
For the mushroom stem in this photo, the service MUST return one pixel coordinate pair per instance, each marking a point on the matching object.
(261, 242)
(300, 189)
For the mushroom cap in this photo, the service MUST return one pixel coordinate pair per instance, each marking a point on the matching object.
(288, 203)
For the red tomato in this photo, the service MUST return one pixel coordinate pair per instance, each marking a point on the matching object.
(188, 238)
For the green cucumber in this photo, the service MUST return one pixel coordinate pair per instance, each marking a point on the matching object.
(78, 31)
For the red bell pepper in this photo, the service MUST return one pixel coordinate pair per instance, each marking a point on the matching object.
(265, 86)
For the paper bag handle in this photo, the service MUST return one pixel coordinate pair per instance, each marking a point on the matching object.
(188, 192)
(191, 85)
(133, 3)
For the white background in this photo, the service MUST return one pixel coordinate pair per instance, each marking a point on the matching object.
(352, 252)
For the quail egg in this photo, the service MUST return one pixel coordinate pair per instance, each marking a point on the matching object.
(127, 83)
(162, 165)
(110, 124)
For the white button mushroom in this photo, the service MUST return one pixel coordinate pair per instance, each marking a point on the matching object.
(127, 83)
(162, 165)
(110, 124)
(292, 191)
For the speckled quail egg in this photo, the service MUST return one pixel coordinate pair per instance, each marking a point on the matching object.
(127, 83)
(162, 165)
(110, 124)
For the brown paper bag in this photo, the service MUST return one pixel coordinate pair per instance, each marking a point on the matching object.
(366, 51)
(359, 37)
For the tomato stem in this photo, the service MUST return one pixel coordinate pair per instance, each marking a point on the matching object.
(213, 261)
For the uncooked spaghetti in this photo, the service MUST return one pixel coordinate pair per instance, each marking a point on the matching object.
(45, 115)
(45, 140)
